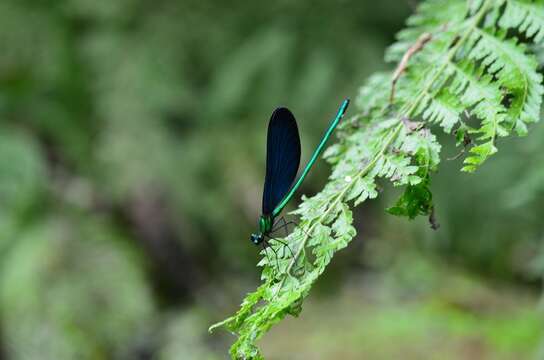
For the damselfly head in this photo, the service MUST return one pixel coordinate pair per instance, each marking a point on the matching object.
(257, 238)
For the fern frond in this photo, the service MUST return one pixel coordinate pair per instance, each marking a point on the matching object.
(526, 17)
(476, 76)
(444, 108)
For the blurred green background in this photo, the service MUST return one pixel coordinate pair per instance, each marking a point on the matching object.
(132, 139)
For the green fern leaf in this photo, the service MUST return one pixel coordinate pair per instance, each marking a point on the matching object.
(526, 17)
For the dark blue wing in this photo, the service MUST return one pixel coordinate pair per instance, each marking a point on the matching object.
(282, 158)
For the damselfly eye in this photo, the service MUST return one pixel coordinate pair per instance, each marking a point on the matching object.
(256, 238)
